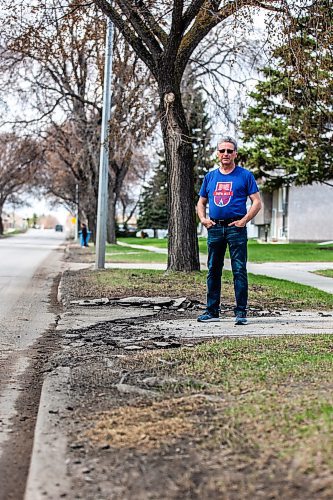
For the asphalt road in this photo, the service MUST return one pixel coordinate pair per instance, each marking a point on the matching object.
(29, 263)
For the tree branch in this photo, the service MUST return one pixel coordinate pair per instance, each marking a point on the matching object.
(140, 28)
(156, 29)
(128, 34)
(207, 18)
(192, 10)
(176, 32)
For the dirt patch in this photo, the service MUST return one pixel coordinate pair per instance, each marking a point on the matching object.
(143, 428)
(149, 453)
(75, 253)
(241, 429)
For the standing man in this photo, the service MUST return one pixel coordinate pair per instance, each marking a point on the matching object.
(226, 190)
(84, 234)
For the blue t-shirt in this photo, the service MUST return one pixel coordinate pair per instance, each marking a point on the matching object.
(227, 193)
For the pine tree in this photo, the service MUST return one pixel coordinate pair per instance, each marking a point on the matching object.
(153, 202)
(288, 130)
(199, 127)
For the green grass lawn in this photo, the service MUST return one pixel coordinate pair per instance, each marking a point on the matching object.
(289, 252)
(275, 394)
(325, 272)
(155, 242)
(260, 252)
(117, 253)
(12, 233)
(264, 292)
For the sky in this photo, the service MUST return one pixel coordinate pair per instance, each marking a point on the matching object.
(40, 207)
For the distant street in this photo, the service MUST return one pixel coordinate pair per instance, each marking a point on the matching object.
(28, 265)
(20, 257)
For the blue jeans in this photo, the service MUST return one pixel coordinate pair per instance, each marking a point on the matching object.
(219, 237)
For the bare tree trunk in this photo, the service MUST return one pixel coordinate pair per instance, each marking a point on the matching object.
(111, 225)
(1, 223)
(183, 252)
(92, 226)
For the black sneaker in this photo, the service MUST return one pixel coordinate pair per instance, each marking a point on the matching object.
(207, 317)
(240, 320)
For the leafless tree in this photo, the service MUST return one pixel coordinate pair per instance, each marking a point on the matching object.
(19, 162)
(61, 67)
(165, 35)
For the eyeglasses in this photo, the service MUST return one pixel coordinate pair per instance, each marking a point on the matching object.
(229, 151)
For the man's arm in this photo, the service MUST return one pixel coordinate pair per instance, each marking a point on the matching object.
(201, 210)
(256, 206)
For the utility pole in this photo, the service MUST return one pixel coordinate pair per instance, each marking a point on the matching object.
(102, 208)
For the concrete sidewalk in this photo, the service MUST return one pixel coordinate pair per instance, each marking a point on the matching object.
(297, 272)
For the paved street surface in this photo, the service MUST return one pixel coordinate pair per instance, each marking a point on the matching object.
(28, 266)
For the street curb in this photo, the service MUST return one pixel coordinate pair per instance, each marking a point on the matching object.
(48, 478)
(59, 293)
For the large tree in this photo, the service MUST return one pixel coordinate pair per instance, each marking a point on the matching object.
(19, 162)
(288, 130)
(153, 205)
(58, 71)
(165, 35)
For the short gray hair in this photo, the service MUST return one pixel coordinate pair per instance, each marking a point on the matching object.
(227, 138)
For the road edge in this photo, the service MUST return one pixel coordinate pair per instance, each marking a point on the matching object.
(48, 478)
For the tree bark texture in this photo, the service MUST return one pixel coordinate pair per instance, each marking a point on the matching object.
(183, 252)
(111, 224)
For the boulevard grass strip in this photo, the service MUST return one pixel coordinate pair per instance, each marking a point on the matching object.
(266, 404)
(264, 292)
(154, 242)
(277, 392)
(325, 272)
(282, 252)
(117, 253)
(9, 234)
(260, 252)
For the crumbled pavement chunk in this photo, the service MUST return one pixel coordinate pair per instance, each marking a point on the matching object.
(91, 302)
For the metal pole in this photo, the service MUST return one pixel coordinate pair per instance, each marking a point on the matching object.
(102, 207)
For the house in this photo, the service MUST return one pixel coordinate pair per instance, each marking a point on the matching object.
(296, 214)
(12, 221)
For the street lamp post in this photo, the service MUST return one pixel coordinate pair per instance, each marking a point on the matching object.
(102, 207)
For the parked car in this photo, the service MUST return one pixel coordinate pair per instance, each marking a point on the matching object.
(126, 231)
(59, 228)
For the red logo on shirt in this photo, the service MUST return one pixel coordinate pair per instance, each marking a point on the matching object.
(223, 193)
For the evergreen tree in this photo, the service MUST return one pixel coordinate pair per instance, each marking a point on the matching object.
(288, 130)
(153, 205)
(153, 201)
(199, 128)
